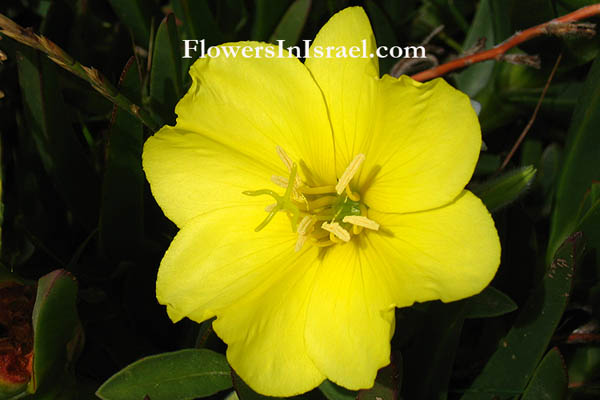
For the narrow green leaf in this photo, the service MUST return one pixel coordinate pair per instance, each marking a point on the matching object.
(431, 356)
(61, 152)
(121, 214)
(549, 381)
(137, 16)
(267, 15)
(166, 80)
(291, 25)
(198, 21)
(55, 325)
(475, 77)
(498, 192)
(490, 303)
(180, 375)
(384, 34)
(582, 160)
(335, 392)
(512, 364)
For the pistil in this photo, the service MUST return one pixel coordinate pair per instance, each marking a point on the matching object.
(330, 212)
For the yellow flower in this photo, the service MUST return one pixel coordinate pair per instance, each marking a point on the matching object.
(362, 179)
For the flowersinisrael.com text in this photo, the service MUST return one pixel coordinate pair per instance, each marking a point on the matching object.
(197, 48)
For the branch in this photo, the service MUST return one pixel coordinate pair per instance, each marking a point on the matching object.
(559, 26)
(98, 81)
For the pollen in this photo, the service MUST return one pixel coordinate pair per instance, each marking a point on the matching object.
(360, 220)
(337, 209)
(349, 173)
(337, 230)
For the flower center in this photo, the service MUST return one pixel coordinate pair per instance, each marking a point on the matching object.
(321, 216)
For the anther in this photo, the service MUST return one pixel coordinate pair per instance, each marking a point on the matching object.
(287, 161)
(337, 230)
(349, 173)
(363, 221)
(279, 181)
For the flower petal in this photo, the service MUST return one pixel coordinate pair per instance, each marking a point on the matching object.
(422, 147)
(348, 84)
(350, 321)
(264, 331)
(191, 174)
(217, 258)
(247, 106)
(448, 253)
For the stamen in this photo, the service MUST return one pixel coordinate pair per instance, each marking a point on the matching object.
(363, 221)
(349, 173)
(357, 229)
(337, 230)
(317, 190)
(325, 243)
(300, 242)
(279, 181)
(270, 207)
(306, 223)
(287, 161)
(322, 202)
(351, 195)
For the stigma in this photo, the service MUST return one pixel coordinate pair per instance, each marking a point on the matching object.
(321, 216)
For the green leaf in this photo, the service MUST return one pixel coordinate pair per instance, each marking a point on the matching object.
(498, 192)
(335, 392)
(166, 80)
(431, 356)
(549, 381)
(136, 15)
(198, 21)
(180, 375)
(121, 214)
(475, 77)
(267, 15)
(512, 364)
(581, 163)
(55, 326)
(384, 34)
(60, 151)
(490, 303)
(291, 25)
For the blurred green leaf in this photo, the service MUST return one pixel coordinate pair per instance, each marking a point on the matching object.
(166, 81)
(589, 216)
(582, 160)
(267, 15)
(61, 153)
(55, 326)
(291, 25)
(335, 392)
(198, 21)
(121, 213)
(180, 375)
(430, 357)
(512, 364)
(490, 303)
(387, 384)
(475, 77)
(384, 34)
(498, 192)
(137, 16)
(549, 381)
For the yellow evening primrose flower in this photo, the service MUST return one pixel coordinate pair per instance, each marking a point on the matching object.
(312, 200)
